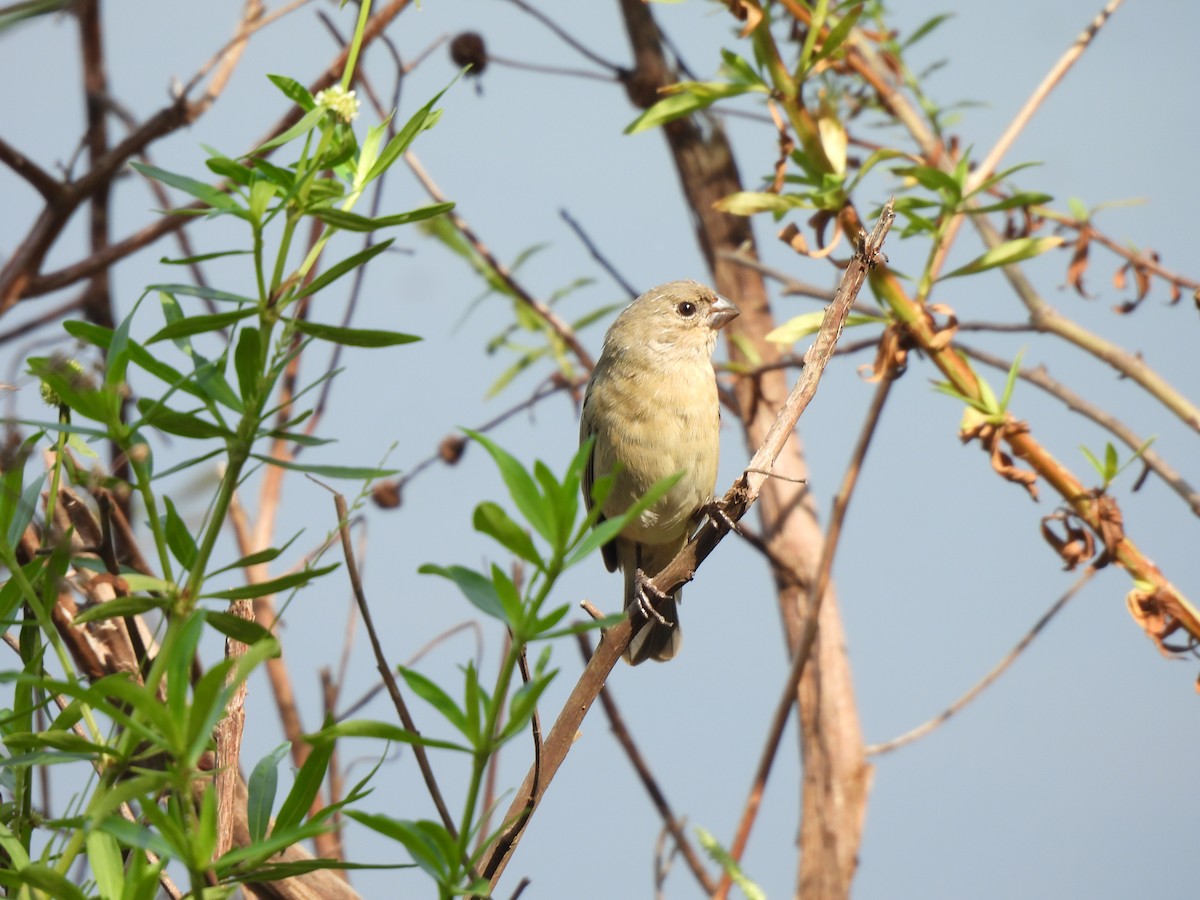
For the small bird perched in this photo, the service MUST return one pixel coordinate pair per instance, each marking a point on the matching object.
(651, 405)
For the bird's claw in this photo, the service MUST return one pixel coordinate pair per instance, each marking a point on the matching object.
(642, 592)
(715, 510)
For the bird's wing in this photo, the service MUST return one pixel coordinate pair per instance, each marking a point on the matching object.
(609, 550)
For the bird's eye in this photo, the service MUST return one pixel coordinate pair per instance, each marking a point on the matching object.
(687, 309)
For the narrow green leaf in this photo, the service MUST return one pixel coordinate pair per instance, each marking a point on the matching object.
(247, 361)
(610, 528)
(120, 606)
(260, 792)
(432, 693)
(46, 878)
(271, 586)
(1014, 251)
(104, 858)
(688, 97)
(308, 121)
(200, 324)
(381, 731)
(172, 421)
(179, 536)
(198, 189)
(200, 257)
(422, 120)
(243, 630)
(349, 221)
(353, 337)
(475, 587)
(201, 291)
(333, 273)
(358, 473)
(492, 520)
(308, 783)
(293, 90)
(520, 484)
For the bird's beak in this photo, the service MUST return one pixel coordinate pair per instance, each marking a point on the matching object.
(721, 313)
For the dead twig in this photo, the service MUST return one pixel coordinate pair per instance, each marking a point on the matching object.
(999, 669)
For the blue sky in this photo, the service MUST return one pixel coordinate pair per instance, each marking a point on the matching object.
(1070, 777)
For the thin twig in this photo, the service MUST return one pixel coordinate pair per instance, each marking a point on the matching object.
(1009, 658)
(385, 671)
(566, 38)
(649, 782)
(599, 257)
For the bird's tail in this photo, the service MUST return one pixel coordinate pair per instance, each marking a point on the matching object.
(656, 640)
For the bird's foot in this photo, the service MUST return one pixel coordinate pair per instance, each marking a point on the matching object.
(717, 511)
(643, 590)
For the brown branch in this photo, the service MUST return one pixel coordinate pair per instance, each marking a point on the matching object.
(738, 499)
(39, 179)
(671, 823)
(1041, 378)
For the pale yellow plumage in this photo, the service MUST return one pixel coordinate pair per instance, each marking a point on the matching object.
(652, 406)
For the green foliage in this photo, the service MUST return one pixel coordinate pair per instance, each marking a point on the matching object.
(210, 380)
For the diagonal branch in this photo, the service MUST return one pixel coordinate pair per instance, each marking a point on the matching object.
(738, 499)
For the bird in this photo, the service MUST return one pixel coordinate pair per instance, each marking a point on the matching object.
(652, 410)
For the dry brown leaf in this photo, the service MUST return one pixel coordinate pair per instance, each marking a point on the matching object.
(891, 354)
(1079, 262)
(1076, 545)
(991, 437)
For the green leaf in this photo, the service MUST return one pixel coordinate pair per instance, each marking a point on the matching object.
(120, 606)
(610, 528)
(260, 792)
(200, 324)
(381, 731)
(475, 587)
(174, 422)
(349, 221)
(247, 360)
(420, 839)
(179, 536)
(1016, 201)
(46, 878)
(198, 189)
(520, 484)
(686, 98)
(243, 630)
(201, 257)
(294, 91)
(201, 291)
(432, 693)
(333, 273)
(1014, 251)
(492, 520)
(254, 559)
(422, 120)
(810, 323)
(271, 586)
(308, 121)
(104, 857)
(358, 473)
(353, 337)
(308, 783)
(747, 203)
